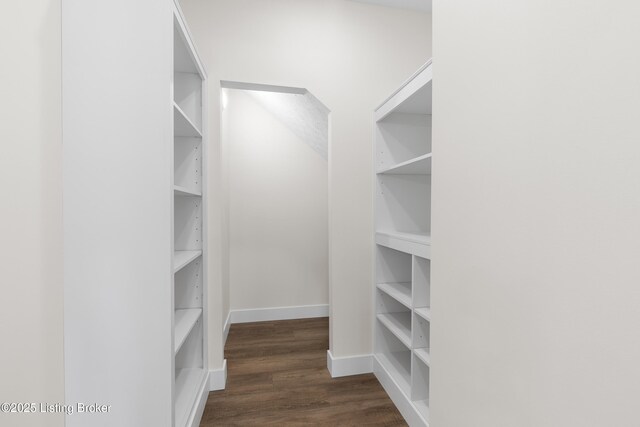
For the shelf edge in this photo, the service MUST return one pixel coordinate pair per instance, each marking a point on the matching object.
(405, 163)
(177, 108)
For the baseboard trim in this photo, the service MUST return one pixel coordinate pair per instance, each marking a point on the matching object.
(225, 330)
(218, 377)
(279, 313)
(401, 400)
(349, 365)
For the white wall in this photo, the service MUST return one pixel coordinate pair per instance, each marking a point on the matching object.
(278, 210)
(349, 55)
(31, 358)
(536, 201)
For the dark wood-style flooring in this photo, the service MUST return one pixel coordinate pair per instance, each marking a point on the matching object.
(277, 375)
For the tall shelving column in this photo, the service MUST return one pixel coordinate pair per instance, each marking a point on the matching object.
(189, 237)
(135, 294)
(403, 246)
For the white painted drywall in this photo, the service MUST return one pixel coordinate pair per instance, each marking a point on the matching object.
(278, 205)
(351, 56)
(303, 114)
(422, 5)
(536, 207)
(31, 354)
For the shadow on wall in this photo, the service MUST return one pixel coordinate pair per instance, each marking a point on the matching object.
(297, 109)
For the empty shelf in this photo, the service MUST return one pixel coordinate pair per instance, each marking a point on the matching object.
(414, 96)
(398, 367)
(423, 354)
(399, 324)
(417, 166)
(424, 312)
(182, 258)
(184, 322)
(416, 237)
(415, 243)
(423, 408)
(182, 125)
(183, 191)
(188, 381)
(401, 292)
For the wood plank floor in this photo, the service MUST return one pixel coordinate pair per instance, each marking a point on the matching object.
(277, 375)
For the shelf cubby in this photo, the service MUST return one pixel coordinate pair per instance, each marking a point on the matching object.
(402, 137)
(182, 125)
(188, 222)
(395, 316)
(420, 386)
(399, 324)
(420, 332)
(394, 356)
(187, 163)
(422, 282)
(187, 95)
(187, 382)
(188, 282)
(403, 203)
(184, 57)
(423, 354)
(401, 292)
(392, 266)
(189, 373)
(185, 319)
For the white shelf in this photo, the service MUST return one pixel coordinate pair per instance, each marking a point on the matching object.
(183, 191)
(424, 312)
(185, 320)
(423, 354)
(414, 243)
(182, 125)
(415, 237)
(398, 366)
(188, 381)
(399, 324)
(413, 97)
(423, 408)
(182, 258)
(401, 292)
(420, 165)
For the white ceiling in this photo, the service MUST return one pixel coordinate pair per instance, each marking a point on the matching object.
(421, 5)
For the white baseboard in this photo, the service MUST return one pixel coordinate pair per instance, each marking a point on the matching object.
(349, 365)
(401, 400)
(218, 377)
(279, 313)
(225, 330)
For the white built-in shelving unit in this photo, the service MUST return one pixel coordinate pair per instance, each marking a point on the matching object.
(403, 246)
(189, 242)
(135, 191)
